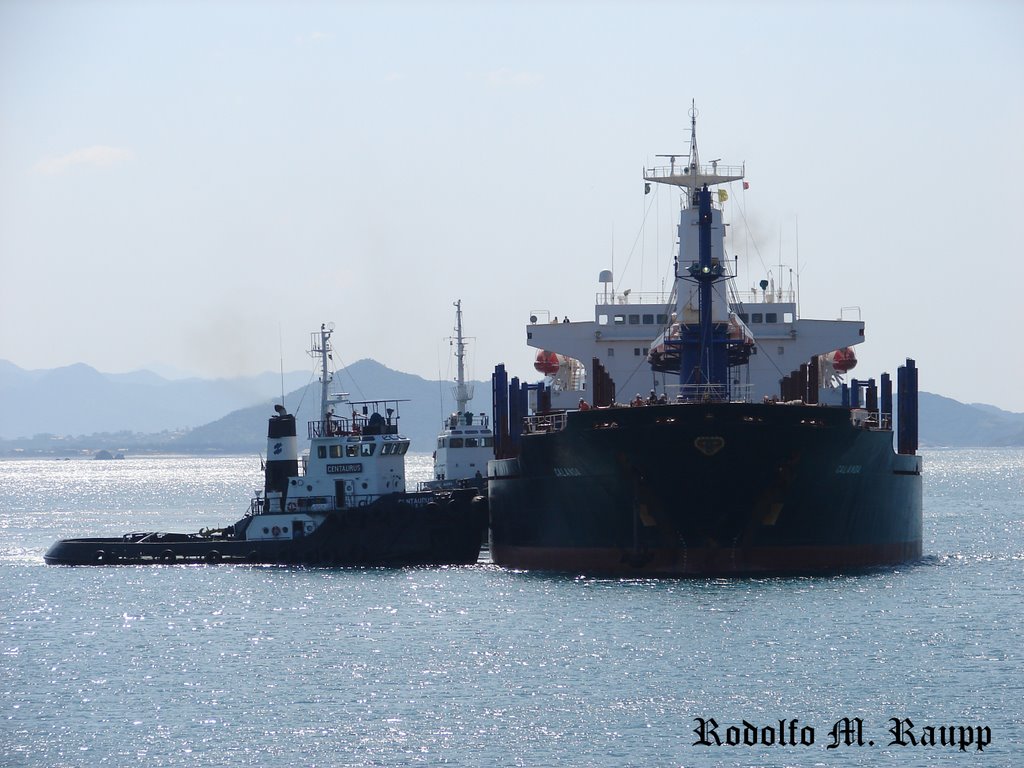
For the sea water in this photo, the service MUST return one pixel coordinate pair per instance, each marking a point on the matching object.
(230, 665)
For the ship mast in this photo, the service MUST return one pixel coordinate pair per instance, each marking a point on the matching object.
(461, 391)
(321, 345)
(703, 344)
(693, 175)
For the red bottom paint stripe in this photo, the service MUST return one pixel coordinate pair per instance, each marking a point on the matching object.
(706, 562)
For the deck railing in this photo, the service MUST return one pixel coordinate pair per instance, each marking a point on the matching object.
(649, 298)
(757, 296)
(705, 169)
(545, 422)
(862, 417)
(336, 425)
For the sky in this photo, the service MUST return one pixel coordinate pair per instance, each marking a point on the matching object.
(196, 186)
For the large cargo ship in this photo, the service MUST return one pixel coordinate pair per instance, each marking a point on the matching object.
(345, 504)
(726, 467)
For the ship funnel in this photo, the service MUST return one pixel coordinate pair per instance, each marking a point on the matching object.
(282, 453)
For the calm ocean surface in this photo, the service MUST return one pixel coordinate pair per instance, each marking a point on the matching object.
(272, 666)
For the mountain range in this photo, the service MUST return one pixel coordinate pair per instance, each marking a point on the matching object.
(76, 408)
(945, 422)
(70, 405)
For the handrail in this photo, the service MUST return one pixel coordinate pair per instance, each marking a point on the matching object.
(259, 506)
(545, 422)
(712, 393)
(758, 296)
(861, 417)
(738, 393)
(342, 426)
(334, 427)
(621, 298)
(704, 169)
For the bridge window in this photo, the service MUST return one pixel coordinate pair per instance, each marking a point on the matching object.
(471, 442)
(787, 317)
(335, 451)
(321, 451)
(757, 317)
(648, 319)
(611, 351)
(634, 319)
(366, 449)
(662, 319)
(455, 442)
(771, 317)
(351, 450)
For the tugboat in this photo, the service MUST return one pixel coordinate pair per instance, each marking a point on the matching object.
(466, 442)
(714, 473)
(346, 507)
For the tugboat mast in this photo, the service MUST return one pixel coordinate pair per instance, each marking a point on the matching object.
(461, 391)
(322, 346)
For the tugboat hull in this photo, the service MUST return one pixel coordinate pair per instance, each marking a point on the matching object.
(721, 489)
(429, 530)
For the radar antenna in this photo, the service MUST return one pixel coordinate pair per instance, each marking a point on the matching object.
(693, 175)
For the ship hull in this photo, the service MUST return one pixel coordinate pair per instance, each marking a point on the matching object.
(395, 531)
(718, 489)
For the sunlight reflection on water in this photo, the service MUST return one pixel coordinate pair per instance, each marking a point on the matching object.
(273, 666)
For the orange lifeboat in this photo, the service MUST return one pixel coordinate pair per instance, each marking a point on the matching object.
(546, 363)
(843, 360)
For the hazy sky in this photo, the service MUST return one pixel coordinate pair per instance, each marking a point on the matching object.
(198, 184)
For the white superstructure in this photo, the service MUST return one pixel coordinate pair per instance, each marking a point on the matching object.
(356, 457)
(627, 327)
